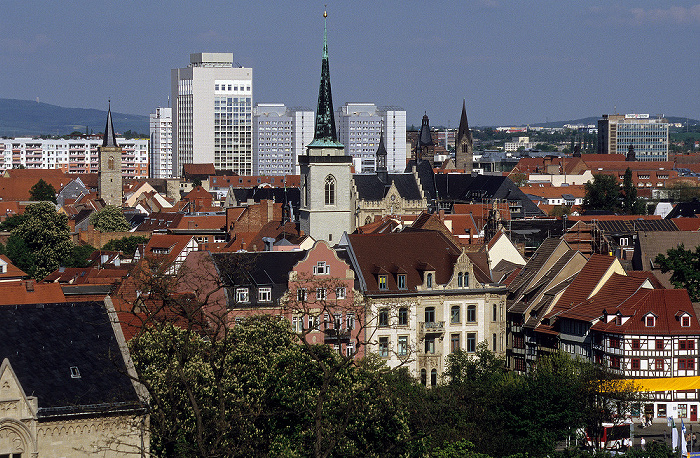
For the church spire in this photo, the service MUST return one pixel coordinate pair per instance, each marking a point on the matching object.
(109, 139)
(381, 154)
(464, 124)
(464, 144)
(325, 134)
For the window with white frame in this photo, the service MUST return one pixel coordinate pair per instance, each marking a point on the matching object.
(301, 294)
(340, 292)
(297, 324)
(242, 295)
(320, 294)
(350, 321)
(265, 295)
(321, 268)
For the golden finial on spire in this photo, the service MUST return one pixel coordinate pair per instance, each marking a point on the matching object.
(325, 14)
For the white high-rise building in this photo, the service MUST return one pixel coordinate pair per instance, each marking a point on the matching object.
(359, 128)
(280, 136)
(213, 114)
(161, 131)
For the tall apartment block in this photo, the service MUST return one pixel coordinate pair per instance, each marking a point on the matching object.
(359, 128)
(280, 136)
(648, 136)
(77, 155)
(213, 114)
(161, 131)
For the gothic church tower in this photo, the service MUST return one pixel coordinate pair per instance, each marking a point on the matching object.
(109, 183)
(326, 176)
(464, 145)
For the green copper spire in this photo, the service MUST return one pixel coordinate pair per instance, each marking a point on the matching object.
(325, 135)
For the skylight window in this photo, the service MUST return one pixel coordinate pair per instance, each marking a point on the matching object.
(74, 372)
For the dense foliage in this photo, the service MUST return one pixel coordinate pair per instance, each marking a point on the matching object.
(126, 245)
(41, 241)
(685, 265)
(109, 219)
(254, 391)
(42, 191)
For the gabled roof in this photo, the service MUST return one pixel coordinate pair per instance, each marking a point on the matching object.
(586, 282)
(11, 270)
(370, 187)
(665, 304)
(43, 359)
(412, 253)
(29, 292)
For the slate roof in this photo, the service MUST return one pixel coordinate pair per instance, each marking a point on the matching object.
(43, 342)
(370, 187)
(685, 209)
(253, 270)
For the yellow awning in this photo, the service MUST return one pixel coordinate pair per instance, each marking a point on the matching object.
(667, 384)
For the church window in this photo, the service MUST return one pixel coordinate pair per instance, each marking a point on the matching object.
(110, 162)
(330, 190)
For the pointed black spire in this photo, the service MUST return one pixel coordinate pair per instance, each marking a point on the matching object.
(464, 124)
(109, 139)
(325, 134)
(381, 159)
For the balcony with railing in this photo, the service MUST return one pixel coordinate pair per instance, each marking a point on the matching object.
(431, 327)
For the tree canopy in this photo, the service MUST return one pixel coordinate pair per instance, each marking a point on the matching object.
(42, 191)
(41, 242)
(109, 219)
(685, 265)
(603, 193)
(126, 245)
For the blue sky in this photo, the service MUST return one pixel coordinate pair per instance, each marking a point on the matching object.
(513, 61)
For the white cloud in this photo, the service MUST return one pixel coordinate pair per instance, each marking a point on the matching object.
(673, 14)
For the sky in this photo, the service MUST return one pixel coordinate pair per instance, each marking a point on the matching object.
(513, 62)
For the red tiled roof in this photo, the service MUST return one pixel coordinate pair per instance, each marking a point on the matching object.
(665, 304)
(12, 270)
(687, 224)
(584, 283)
(407, 252)
(199, 169)
(30, 292)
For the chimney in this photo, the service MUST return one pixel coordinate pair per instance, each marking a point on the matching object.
(117, 261)
(469, 234)
(30, 286)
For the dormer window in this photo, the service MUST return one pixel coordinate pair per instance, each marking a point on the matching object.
(74, 372)
(383, 283)
(650, 321)
(401, 281)
(429, 280)
(685, 321)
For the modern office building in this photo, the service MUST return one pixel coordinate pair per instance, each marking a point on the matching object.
(359, 127)
(213, 114)
(280, 136)
(161, 131)
(75, 155)
(647, 136)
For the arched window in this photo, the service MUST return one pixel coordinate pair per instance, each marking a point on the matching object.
(368, 220)
(330, 190)
(429, 280)
(110, 163)
(423, 377)
(433, 377)
(466, 279)
(459, 279)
